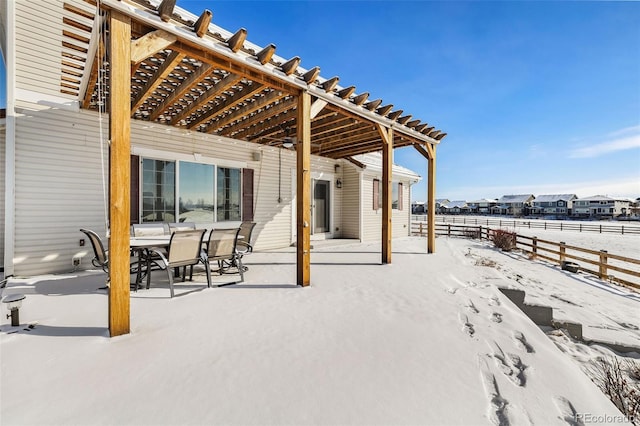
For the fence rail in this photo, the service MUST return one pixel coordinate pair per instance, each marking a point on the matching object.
(627, 269)
(633, 229)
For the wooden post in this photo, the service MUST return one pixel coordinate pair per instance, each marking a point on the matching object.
(563, 251)
(534, 253)
(602, 272)
(119, 172)
(431, 199)
(387, 163)
(303, 188)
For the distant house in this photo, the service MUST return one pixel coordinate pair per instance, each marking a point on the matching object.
(441, 204)
(418, 207)
(482, 206)
(553, 204)
(456, 207)
(513, 205)
(602, 207)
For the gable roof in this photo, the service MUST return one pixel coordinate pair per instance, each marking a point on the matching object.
(555, 197)
(521, 198)
(210, 80)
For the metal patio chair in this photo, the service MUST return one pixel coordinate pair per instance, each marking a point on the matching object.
(101, 256)
(221, 248)
(185, 249)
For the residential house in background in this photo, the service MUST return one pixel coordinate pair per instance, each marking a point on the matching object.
(482, 206)
(558, 205)
(441, 203)
(455, 207)
(601, 207)
(513, 205)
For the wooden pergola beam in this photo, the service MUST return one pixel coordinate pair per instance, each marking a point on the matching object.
(150, 44)
(303, 189)
(201, 26)
(152, 84)
(266, 54)
(387, 164)
(165, 10)
(222, 85)
(236, 41)
(189, 83)
(247, 125)
(270, 121)
(244, 95)
(249, 108)
(119, 172)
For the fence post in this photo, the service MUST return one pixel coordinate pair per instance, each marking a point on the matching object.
(601, 228)
(622, 229)
(545, 225)
(563, 251)
(534, 253)
(561, 226)
(448, 230)
(603, 264)
(580, 227)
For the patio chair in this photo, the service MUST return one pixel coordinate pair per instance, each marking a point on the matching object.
(221, 248)
(243, 245)
(185, 249)
(181, 226)
(101, 256)
(149, 229)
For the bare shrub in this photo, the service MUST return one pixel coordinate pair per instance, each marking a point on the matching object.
(483, 261)
(503, 239)
(619, 382)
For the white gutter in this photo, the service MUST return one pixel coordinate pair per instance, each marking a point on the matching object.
(10, 142)
(154, 20)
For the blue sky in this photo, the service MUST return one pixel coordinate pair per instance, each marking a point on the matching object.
(536, 97)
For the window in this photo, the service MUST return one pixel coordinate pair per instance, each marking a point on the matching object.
(228, 194)
(158, 190)
(196, 192)
(396, 195)
(206, 193)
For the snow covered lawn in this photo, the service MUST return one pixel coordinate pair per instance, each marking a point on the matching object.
(428, 339)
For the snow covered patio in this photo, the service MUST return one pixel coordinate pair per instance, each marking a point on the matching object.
(424, 340)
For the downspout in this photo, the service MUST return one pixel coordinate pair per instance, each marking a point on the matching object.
(10, 141)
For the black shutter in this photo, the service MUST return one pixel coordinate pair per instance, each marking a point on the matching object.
(134, 199)
(247, 195)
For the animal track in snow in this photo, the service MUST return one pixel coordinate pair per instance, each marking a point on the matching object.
(494, 301)
(521, 341)
(496, 317)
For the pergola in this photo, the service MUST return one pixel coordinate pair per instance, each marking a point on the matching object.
(184, 72)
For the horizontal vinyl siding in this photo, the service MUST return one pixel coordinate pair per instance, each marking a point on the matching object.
(2, 193)
(350, 203)
(58, 189)
(372, 219)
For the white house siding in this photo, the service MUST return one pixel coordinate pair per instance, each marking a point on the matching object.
(58, 188)
(38, 52)
(350, 202)
(372, 219)
(59, 182)
(2, 195)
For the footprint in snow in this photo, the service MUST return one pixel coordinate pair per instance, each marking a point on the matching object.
(511, 365)
(522, 343)
(567, 411)
(472, 307)
(496, 317)
(497, 404)
(467, 327)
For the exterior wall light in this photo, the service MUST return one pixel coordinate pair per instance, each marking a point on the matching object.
(338, 183)
(14, 302)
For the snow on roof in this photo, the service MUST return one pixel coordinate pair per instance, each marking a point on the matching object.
(603, 198)
(520, 198)
(482, 200)
(555, 197)
(457, 203)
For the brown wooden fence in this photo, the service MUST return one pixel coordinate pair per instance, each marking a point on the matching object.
(608, 266)
(632, 228)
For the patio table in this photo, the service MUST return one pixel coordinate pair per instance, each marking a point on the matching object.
(142, 246)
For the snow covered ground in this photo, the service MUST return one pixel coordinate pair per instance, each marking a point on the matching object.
(429, 339)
